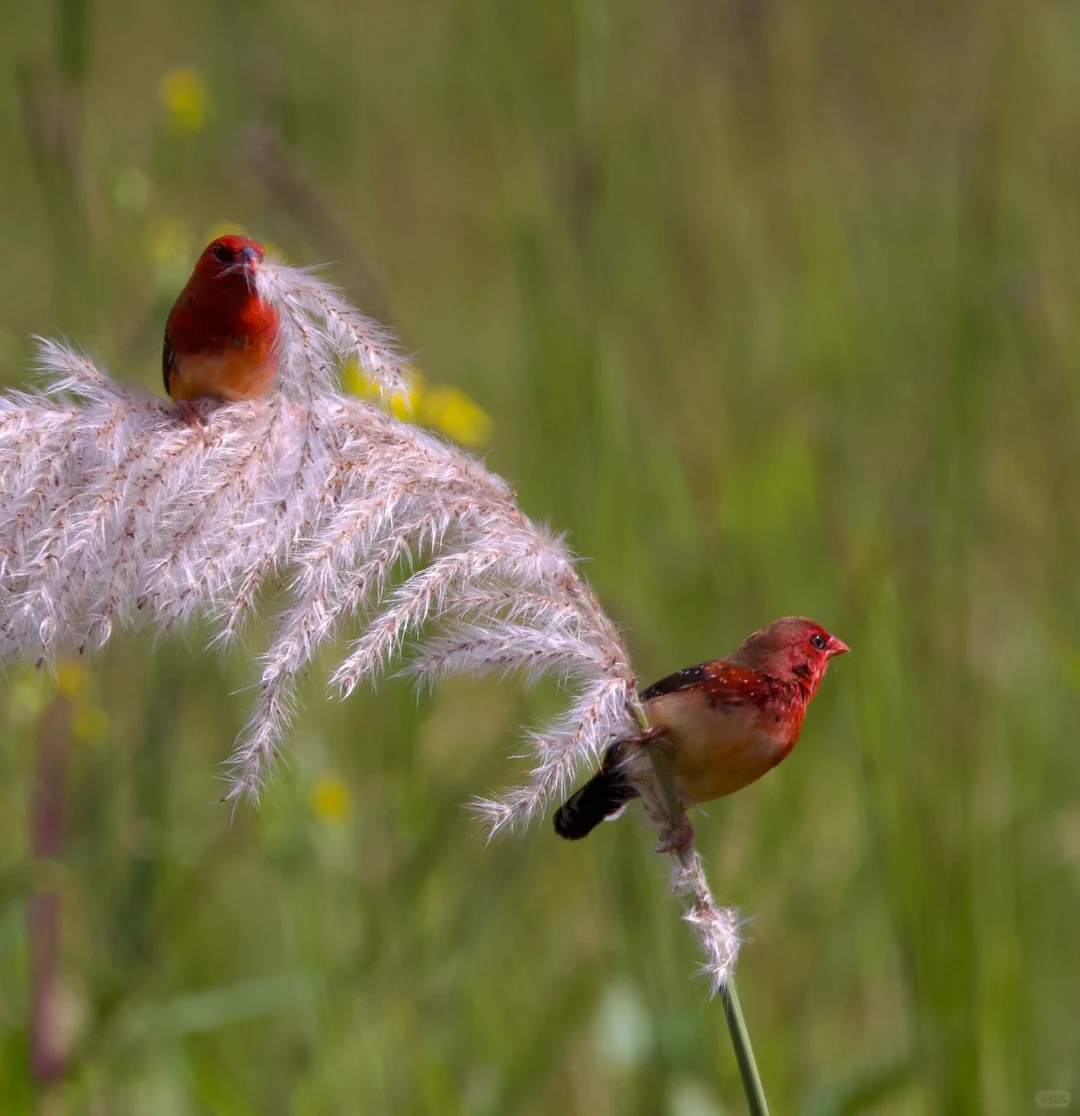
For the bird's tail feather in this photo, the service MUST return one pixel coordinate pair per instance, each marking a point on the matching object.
(604, 796)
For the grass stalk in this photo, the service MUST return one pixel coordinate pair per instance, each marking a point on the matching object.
(729, 996)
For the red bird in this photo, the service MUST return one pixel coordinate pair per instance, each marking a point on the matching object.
(220, 338)
(722, 724)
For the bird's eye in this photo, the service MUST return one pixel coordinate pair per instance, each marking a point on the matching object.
(818, 640)
(223, 253)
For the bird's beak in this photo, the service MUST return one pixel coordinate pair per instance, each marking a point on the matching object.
(835, 647)
(248, 262)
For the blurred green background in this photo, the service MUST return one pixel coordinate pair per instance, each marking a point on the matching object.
(772, 308)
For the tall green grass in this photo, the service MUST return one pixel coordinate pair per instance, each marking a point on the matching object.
(774, 308)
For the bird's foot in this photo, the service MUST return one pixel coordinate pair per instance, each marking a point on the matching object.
(678, 839)
(649, 737)
(191, 413)
(655, 738)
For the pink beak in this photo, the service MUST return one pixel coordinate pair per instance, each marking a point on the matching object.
(835, 647)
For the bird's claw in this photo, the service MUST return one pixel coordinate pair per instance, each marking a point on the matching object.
(650, 737)
(654, 738)
(678, 839)
(191, 413)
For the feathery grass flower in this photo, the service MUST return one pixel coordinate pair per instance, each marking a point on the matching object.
(115, 513)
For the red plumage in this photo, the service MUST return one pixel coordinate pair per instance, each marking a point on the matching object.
(221, 337)
(722, 724)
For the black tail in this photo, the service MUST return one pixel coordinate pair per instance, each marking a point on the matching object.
(606, 793)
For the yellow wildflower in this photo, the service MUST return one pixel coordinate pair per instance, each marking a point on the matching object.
(70, 677)
(450, 410)
(355, 382)
(186, 100)
(442, 408)
(330, 800)
(402, 406)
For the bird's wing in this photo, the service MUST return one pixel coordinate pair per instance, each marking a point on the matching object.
(728, 684)
(681, 680)
(168, 359)
(720, 681)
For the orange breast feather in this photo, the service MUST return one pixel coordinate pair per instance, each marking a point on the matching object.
(230, 374)
(220, 344)
(721, 736)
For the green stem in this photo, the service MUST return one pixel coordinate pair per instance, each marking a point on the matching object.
(744, 1052)
(729, 996)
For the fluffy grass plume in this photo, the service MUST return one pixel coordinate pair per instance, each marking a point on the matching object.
(116, 512)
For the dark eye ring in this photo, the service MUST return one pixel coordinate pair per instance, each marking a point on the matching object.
(223, 253)
(818, 640)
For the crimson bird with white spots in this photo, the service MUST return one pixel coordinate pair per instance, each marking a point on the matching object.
(722, 725)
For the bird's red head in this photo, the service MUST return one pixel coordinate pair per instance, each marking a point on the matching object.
(228, 256)
(794, 649)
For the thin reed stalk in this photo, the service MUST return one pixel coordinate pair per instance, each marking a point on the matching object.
(705, 918)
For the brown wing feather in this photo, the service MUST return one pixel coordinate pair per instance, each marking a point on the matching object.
(680, 680)
(719, 680)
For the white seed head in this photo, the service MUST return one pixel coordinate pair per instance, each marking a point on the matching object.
(114, 511)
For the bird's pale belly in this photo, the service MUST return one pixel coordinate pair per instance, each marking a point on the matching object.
(232, 375)
(716, 750)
